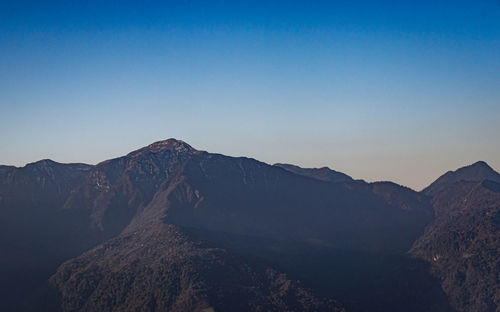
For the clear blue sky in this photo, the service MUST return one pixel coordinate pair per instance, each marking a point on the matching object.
(381, 90)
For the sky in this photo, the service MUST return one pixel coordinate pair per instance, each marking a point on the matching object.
(381, 90)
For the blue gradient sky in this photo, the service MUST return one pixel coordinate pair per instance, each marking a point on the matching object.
(393, 90)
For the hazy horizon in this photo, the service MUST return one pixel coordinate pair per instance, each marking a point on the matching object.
(394, 91)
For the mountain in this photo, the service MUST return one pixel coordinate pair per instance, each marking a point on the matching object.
(169, 227)
(162, 269)
(462, 243)
(324, 174)
(476, 172)
(243, 207)
(53, 212)
(36, 235)
(182, 186)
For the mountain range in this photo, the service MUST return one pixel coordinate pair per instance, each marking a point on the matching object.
(171, 228)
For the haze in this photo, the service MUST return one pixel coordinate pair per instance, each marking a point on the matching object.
(387, 91)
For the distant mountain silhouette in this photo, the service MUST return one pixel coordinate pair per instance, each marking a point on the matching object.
(324, 174)
(168, 227)
(476, 172)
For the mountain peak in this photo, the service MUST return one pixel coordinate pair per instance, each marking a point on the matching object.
(476, 172)
(170, 144)
(480, 163)
(43, 163)
(479, 170)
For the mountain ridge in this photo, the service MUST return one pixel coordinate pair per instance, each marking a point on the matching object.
(255, 217)
(324, 173)
(477, 171)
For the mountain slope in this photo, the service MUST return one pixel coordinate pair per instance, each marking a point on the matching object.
(114, 191)
(462, 244)
(476, 172)
(324, 174)
(161, 268)
(36, 235)
(244, 196)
